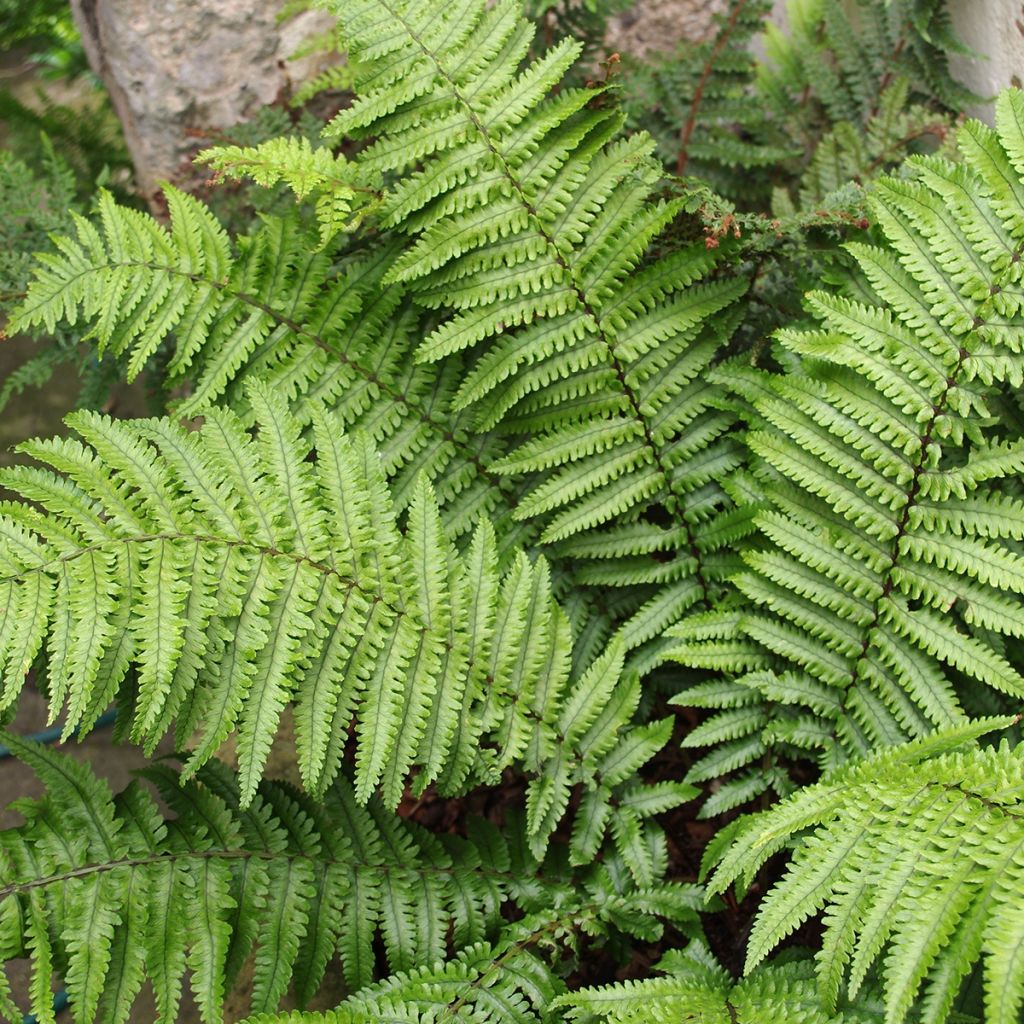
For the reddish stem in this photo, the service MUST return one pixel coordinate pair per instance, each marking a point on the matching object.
(698, 94)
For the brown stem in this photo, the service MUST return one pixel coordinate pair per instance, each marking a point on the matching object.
(724, 34)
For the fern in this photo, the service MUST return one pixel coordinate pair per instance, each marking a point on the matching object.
(835, 62)
(135, 897)
(35, 201)
(914, 856)
(889, 571)
(237, 576)
(518, 214)
(693, 986)
(834, 85)
(603, 374)
(305, 170)
(588, 21)
(481, 450)
(853, 153)
(696, 102)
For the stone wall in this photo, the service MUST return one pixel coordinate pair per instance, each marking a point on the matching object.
(995, 30)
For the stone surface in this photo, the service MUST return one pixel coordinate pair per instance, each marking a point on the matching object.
(180, 67)
(994, 29)
(653, 25)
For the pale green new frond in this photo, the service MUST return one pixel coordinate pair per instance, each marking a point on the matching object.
(308, 172)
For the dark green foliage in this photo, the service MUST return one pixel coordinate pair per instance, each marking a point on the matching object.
(87, 135)
(845, 92)
(584, 20)
(692, 986)
(697, 103)
(32, 207)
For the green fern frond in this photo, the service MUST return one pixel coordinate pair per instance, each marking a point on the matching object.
(277, 312)
(914, 856)
(535, 234)
(236, 575)
(858, 153)
(106, 892)
(834, 62)
(891, 568)
(336, 78)
(696, 102)
(693, 986)
(505, 982)
(308, 172)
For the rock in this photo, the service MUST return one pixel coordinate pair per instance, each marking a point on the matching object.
(657, 25)
(179, 68)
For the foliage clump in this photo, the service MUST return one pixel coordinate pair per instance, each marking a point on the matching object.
(588, 473)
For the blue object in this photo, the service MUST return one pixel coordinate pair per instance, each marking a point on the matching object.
(52, 735)
(60, 1002)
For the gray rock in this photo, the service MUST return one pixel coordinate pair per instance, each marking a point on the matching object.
(178, 68)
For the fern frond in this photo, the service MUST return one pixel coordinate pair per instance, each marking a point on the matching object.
(852, 152)
(696, 101)
(692, 985)
(915, 858)
(308, 172)
(280, 312)
(536, 234)
(238, 574)
(891, 569)
(833, 63)
(128, 896)
(495, 983)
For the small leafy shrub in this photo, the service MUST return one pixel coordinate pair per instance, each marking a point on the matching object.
(509, 488)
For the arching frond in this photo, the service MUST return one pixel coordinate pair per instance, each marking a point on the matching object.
(278, 310)
(887, 590)
(234, 574)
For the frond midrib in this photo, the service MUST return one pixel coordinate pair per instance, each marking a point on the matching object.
(180, 856)
(914, 487)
